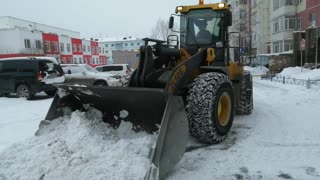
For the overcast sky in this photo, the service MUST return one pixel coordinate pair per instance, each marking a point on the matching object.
(95, 18)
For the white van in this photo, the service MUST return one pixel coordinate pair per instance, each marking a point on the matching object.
(117, 69)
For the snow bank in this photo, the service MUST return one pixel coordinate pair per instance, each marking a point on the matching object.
(259, 70)
(295, 72)
(79, 147)
(291, 71)
(312, 75)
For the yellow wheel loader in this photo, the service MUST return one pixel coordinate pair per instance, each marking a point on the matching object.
(185, 85)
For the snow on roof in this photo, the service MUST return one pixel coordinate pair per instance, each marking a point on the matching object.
(52, 59)
(112, 39)
(287, 52)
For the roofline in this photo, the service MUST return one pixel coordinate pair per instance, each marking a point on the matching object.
(38, 23)
(54, 60)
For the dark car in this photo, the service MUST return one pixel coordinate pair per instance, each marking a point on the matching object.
(28, 76)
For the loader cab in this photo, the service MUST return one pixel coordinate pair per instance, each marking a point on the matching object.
(203, 26)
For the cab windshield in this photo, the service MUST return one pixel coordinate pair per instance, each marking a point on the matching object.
(202, 27)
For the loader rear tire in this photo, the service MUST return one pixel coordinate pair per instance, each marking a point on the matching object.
(246, 95)
(210, 107)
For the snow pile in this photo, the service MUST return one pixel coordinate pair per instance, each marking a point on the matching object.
(295, 72)
(311, 74)
(258, 71)
(80, 146)
(292, 71)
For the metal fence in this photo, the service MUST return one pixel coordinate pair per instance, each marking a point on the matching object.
(287, 80)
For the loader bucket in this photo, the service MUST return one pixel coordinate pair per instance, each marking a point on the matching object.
(149, 109)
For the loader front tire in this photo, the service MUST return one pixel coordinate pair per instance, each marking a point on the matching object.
(246, 95)
(210, 107)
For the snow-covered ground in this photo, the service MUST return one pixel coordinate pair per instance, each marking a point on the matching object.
(279, 140)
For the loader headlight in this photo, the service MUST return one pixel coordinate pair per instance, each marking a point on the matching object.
(221, 5)
(179, 8)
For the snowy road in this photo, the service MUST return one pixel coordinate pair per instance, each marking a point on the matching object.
(279, 140)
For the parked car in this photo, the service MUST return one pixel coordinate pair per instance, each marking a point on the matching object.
(117, 69)
(86, 75)
(26, 76)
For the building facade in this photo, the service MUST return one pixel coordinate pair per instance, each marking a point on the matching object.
(121, 45)
(25, 38)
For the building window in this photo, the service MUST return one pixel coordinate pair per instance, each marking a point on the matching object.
(126, 44)
(313, 19)
(68, 48)
(61, 47)
(80, 60)
(97, 50)
(75, 60)
(290, 23)
(276, 26)
(84, 48)
(93, 50)
(131, 44)
(276, 4)
(243, 14)
(27, 43)
(287, 45)
(243, 1)
(55, 47)
(100, 50)
(242, 27)
(74, 48)
(138, 44)
(88, 48)
(275, 47)
(63, 60)
(289, 2)
(47, 47)
(69, 59)
(38, 44)
(106, 45)
(112, 45)
(79, 48)
(299, 23)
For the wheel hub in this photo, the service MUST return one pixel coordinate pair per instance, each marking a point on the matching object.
(224, 109)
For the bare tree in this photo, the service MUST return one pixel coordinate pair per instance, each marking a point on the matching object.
(161, 30)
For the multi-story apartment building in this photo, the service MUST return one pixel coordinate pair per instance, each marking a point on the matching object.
(25, 38)
(260, 21)
(240, 18)
(283, 23)
(124, 44)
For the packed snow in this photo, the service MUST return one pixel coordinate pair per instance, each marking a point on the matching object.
(257, 71)
(80, 146)
(279, 140)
